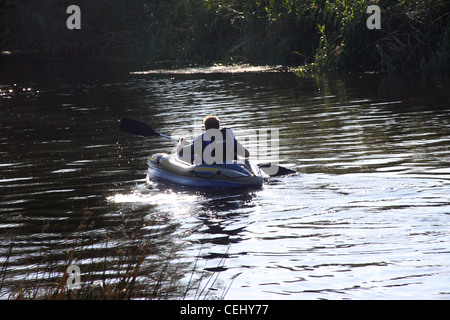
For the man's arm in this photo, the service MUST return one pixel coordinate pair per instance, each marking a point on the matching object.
(181, 144)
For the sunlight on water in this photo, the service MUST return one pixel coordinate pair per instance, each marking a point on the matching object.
(216, 69)
(177, 205)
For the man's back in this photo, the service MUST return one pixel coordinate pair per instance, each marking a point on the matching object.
(214, 146)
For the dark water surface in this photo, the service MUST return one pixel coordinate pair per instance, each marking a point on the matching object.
(368, 216)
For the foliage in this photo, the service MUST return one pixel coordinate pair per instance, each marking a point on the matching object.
(318, 34)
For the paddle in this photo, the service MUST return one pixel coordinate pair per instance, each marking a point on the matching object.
(142, 129)
(275, 170)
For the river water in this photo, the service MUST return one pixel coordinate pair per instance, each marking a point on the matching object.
(367, 216)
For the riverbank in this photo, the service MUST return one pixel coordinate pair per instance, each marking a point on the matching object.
(315, 35)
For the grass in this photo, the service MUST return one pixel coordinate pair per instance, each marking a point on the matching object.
(118, 272)
(314, 34)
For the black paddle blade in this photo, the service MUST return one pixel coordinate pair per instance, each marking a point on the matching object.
(136, 127)
(275, 170)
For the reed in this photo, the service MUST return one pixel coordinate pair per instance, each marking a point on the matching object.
(108, 273)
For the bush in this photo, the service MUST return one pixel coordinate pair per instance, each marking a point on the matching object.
(319, 34)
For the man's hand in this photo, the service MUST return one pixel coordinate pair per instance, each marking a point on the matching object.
(182, 142)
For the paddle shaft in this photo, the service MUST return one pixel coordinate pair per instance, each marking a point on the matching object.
(167, 137)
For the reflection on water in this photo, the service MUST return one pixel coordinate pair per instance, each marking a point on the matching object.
(367, 216)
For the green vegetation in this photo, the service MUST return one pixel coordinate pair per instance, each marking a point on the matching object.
(315, 34)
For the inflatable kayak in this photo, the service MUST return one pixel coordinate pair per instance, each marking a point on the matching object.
(170, 168)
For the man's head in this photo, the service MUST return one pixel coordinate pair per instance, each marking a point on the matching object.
(211, 122)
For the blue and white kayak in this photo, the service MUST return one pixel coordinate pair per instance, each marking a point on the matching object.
(170, 168)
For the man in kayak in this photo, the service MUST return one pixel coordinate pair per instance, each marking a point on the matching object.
(215, 146)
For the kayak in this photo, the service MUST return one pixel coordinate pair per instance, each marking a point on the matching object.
(170, 168)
